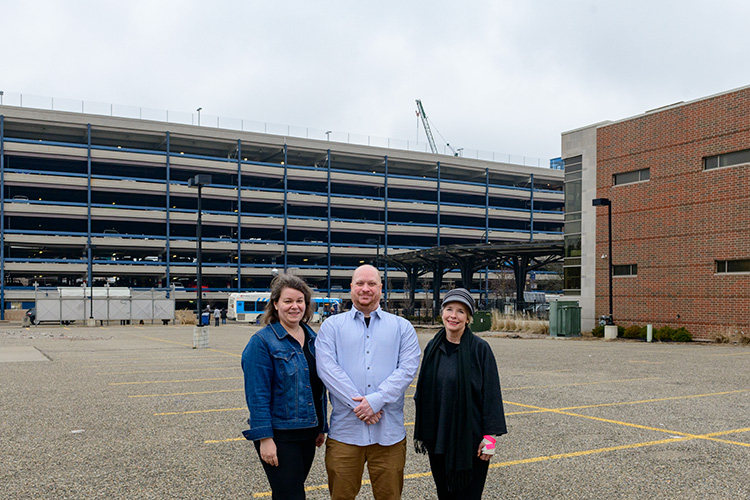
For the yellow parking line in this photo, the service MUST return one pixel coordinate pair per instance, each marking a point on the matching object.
(171, 371)
(584, 452)
(545, 458)
(674, 398)
(174, 381)
(191, 345)
(638, 426)
(183, 393)
(578, 384)
(211, 441)
(199, 411)
(162, 360)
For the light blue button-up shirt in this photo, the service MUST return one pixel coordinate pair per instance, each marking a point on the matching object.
(377, 362)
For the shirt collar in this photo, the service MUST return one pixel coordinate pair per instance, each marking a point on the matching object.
(377, 313)
(281, 332)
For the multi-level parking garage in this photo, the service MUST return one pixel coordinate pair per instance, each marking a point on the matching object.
(105, 200)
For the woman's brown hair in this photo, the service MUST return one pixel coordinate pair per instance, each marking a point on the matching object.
(270, 314)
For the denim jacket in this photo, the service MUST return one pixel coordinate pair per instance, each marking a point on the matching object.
(277, 383)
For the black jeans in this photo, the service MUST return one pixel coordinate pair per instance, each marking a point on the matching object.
(295, 460)
(472, 492)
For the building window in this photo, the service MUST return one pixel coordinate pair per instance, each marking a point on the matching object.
(733, 266)
(573, 206)
(727, 159)
(572, 279)
(641, 175)
(625, 270)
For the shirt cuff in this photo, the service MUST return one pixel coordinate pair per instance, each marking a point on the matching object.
(376, 401)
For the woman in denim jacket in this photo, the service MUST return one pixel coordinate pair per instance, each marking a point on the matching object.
(285, 397)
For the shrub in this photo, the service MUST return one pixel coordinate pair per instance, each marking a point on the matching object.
(669, 334)
(598, 331)
(681, 335)
(635, 332)
(664, 334)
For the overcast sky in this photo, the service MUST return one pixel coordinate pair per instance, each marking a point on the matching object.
(502, 76)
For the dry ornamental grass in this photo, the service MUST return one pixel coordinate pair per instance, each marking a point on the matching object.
(185, 317)
(518, 323)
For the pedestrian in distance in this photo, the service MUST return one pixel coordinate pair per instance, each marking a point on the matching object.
(459, 406)
(284, 394)
(217, 316)
(367, 358)
(223, 315)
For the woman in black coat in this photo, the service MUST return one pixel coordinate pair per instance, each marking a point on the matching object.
(459, 403)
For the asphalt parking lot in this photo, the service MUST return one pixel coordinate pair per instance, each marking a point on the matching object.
(135, 412)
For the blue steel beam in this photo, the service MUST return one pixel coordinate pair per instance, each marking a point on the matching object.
(328, 272)
(286, 207)
(531, 210)
(2, 217)
(169, 211)
(89, 253)
(385, 243)
(239, 215)
(438, 204)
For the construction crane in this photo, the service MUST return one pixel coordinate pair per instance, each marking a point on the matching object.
(428, 131)
(426, 124)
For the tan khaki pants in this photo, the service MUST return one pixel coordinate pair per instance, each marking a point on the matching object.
(345, 464)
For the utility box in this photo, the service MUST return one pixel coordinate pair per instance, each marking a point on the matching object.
(564, 318)
(482, 321)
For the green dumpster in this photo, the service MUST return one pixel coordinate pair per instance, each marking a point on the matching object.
(564, 318)
(482, 321)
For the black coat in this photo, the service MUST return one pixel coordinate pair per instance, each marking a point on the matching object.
(487, 414)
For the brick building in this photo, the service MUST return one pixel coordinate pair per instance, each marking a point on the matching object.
(678, 179)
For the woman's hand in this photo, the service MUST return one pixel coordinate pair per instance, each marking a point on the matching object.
(268, 452)
(320, 440)
(481, 455)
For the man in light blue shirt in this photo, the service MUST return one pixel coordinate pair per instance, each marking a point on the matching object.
(367, 358)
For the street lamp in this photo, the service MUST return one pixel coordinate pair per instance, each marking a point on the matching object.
(199, 116)
(199, 180)
(606, 202)
(328, 135)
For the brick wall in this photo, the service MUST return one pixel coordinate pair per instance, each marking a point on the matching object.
(677, 224)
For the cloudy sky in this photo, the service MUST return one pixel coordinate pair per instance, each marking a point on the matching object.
(506, 76)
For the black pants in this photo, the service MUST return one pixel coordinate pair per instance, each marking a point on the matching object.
(472, 492)
(295, 460)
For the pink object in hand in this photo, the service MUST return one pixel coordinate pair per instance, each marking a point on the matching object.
(489, 445)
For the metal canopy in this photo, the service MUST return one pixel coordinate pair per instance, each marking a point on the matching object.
(519, 257)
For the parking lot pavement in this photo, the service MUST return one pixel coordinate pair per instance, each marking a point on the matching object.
(135, 412)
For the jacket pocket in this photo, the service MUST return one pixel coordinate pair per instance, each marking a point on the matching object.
(285, 396)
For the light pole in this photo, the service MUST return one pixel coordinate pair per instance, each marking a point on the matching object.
(375, 241)
(606, 202)
(199, 180)
(328, 135)
(199, 116)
